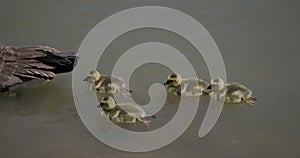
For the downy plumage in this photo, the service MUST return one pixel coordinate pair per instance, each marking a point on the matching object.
(122, 113)
(106, 83)
(185, 87)
(230, 92)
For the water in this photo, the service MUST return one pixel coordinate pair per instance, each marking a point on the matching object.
(259, 41)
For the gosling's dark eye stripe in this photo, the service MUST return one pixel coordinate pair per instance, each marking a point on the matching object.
(105, 99)
(173, 76)
(169, 81)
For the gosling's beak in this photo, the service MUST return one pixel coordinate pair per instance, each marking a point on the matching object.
(86, 78)
(100, 105)
(167, 82)
(209, 87)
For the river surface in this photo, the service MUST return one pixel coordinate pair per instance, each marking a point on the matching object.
(260, 45)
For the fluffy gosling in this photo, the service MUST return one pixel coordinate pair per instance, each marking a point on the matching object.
(185, 87)
(230, 92)
(106, 83)
(122, 113)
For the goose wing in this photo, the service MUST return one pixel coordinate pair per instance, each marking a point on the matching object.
(194, 83)
(22, 64)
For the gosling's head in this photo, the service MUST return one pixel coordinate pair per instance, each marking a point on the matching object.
(92, 77)
(216, 84)
(107, 103)
(173, 80)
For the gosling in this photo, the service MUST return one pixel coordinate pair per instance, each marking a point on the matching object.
(106, 83)
(230, 92)
(122, 113)
(188, 87)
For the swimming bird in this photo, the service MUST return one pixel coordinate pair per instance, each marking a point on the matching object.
(122, 113)
(106, 83)
(19, 65)
(230, 92)
(185, 87)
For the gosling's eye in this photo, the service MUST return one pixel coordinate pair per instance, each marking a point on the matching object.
(97, 89)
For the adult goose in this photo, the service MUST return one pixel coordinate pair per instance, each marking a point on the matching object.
(19, 65)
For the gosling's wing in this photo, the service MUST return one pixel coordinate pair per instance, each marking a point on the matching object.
(103, 81)
(132, 109)
(233, 87)
(190, 82)
(112, 79)
(118, 81)
(202, 83)
(194, 83)
(107, 83)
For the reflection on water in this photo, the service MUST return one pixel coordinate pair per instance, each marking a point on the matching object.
(36, 101)
(259, 41)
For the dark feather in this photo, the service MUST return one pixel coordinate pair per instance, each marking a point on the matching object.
(21, 64)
